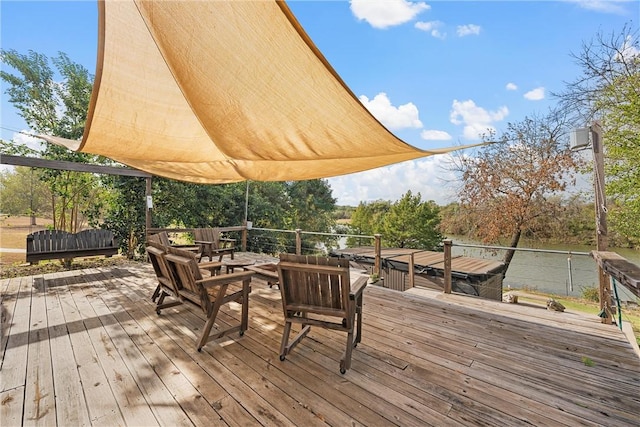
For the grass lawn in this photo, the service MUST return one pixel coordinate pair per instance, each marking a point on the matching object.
(629, 314)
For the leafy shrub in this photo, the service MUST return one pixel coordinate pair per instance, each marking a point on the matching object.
(590, 293)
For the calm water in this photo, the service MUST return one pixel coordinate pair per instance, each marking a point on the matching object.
(560, 274)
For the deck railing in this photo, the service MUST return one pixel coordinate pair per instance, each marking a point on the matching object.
(282, 245)
(272, 241)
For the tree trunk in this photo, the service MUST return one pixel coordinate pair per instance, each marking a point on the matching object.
(515, 239)
(53, 209)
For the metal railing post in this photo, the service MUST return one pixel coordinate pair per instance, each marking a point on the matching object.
(601, 219)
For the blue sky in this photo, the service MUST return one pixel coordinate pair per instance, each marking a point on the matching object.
(435, 73)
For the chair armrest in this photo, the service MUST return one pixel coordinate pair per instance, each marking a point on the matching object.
(210, 264)
(203, 242)
(358, 287)
(224, 279)
(226, 243)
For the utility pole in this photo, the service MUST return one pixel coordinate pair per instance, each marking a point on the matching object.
(602, 239)
(148, 206)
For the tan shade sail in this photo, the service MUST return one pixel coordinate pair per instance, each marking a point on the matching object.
(223, 91)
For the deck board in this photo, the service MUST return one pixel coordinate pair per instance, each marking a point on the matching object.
(73, 408)
(101, 404)
(87, 348)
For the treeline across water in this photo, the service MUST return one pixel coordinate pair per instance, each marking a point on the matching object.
(572, 221)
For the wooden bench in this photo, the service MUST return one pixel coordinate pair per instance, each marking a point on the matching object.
(58, 244)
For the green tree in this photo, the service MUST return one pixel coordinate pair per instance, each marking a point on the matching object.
(367, 220)
(412, 223)
(22, 193)
(311, 207)
(343, 212)
(268, 208)
(124, 213)
(621, 130)
(307, 205)
(56, 108)
(608, 90)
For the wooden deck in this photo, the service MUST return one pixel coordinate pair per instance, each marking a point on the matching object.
(87, 348)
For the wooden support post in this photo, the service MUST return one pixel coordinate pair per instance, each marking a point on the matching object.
(377, 248)
(244, 236)
(601, 219)
(412, 276)
(298, 241)
(447, 266)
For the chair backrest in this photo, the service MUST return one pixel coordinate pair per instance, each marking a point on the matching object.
(314, 284)
(156, 257)
(183, 266)
(208, 235)
(161, 238)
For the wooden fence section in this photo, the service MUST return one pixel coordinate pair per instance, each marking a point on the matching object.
(87, 348)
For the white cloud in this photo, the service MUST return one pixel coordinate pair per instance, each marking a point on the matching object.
(476, 120)
(536, 94)
(24, 137)
(511, 86)
(627, 51)
(468, 30)
(428, 176)
(435, 135)
(395, 118)
(432, 27)
(388, 13)
(606, 6)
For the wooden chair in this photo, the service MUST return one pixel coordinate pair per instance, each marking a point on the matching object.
(162, 238)
(316, 291)
(208, 293)
(211, 244)
(166, 286)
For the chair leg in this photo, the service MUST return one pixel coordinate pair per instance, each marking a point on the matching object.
(358, 321)
(161, 304)
(345, 363)
(286, 347)
(285, 340)
(354, 334)
(212, 317)
(163, 295)
(156, 293)
(244, 322)
(167, 305)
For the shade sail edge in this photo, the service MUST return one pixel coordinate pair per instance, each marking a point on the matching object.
(219, 92)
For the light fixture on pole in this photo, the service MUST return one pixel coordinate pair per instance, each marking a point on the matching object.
(582, 138)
